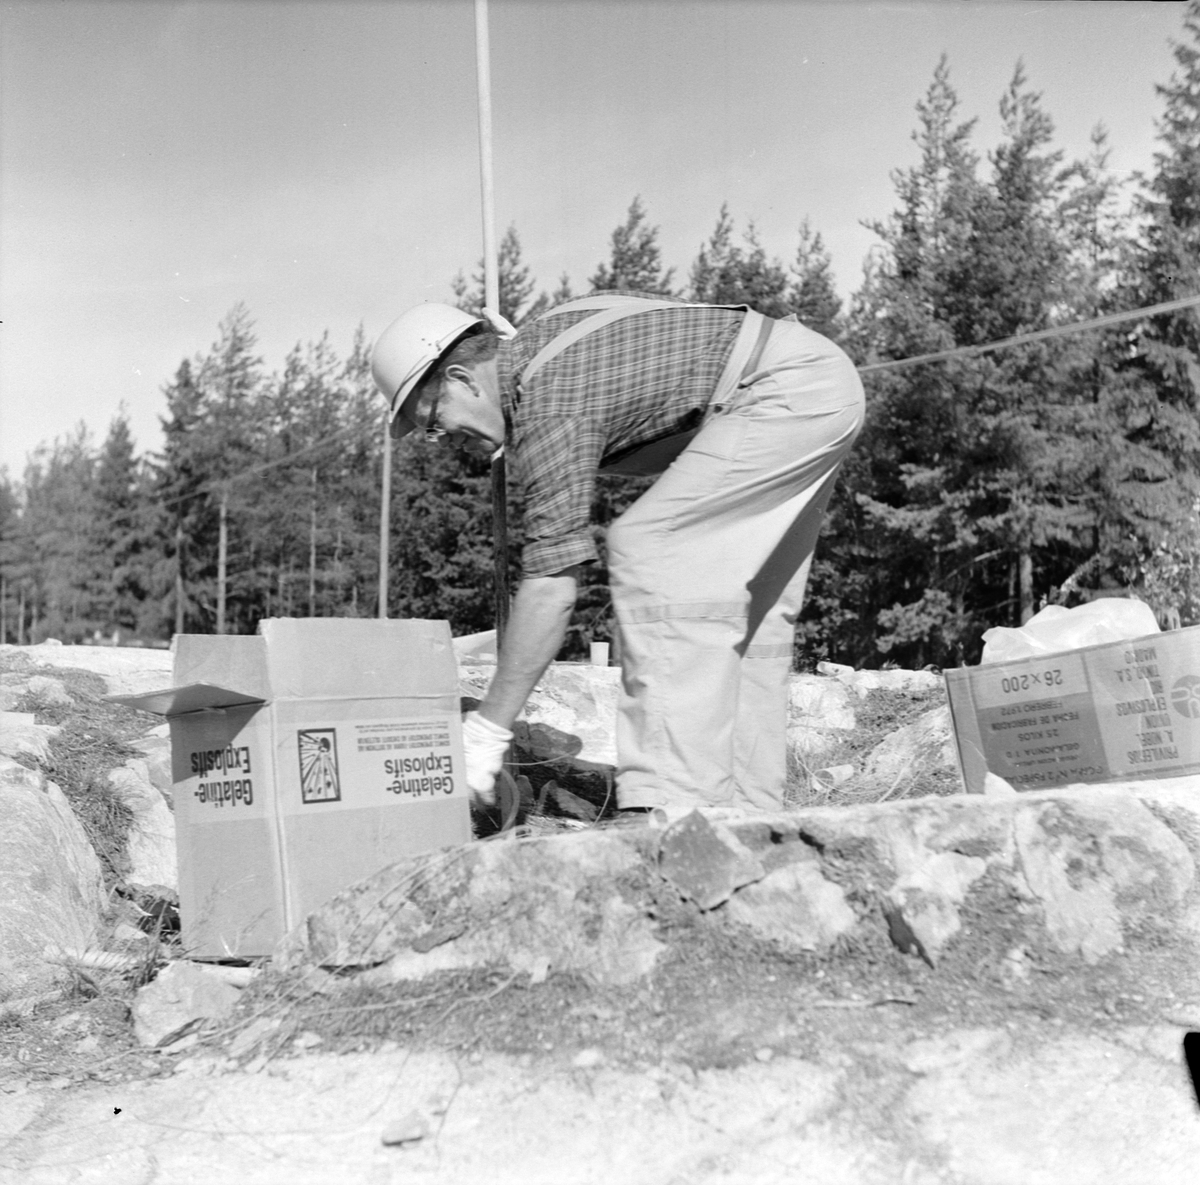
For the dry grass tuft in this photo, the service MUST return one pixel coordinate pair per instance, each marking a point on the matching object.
(94, 739)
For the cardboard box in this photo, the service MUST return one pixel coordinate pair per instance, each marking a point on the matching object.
(304, 759)
(1114, 712)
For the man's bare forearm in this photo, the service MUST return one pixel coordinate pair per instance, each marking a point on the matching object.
(537, 624)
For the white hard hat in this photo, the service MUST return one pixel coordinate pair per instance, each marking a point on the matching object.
(408, 347)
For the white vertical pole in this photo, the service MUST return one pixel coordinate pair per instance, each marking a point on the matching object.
(483, 77)
(385, 512)
(491, 300)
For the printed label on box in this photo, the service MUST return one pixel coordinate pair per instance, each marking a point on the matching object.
(319, 781)
(1146, 708)
(1118, 710)
(378, 763)
(408, 759)
(218, 766)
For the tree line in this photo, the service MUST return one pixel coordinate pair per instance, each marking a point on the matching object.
(984, 485)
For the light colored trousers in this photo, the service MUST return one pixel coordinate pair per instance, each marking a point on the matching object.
(708, 570)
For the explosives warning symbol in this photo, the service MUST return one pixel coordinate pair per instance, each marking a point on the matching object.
(318, 765)
(1185, 695)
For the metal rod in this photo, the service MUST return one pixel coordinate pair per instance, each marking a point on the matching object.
(491, 300)
(222, 553)
(500, 545)
(385, 513)
(483, 78)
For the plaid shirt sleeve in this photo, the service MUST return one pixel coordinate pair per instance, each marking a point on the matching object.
(632, 382)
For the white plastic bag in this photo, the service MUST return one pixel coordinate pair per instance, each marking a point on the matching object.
(1106, 619)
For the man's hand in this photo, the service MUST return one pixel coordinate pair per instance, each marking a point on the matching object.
(538, 623)
(484, 747)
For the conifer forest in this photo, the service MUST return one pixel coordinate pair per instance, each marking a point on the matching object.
(985, 485)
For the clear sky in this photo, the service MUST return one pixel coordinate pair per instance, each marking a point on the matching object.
(161, 160)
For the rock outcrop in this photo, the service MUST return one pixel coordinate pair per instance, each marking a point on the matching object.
(50, 881)
(1070, 873)
(150, 844)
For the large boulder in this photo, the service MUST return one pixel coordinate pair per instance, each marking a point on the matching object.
(51, 888)
(150, 844)
(126, 670)
(566, 903)
(22, 737)
(1073, 875)
(155, 748)
(1073, 871)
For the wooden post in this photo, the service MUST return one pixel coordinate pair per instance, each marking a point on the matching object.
(385, 513)
(222, 550)
(312, 551)
(179, 576)
(491, 300)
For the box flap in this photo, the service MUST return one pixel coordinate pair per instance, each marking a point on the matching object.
(223, 660)
(195, 697)
(330, 657)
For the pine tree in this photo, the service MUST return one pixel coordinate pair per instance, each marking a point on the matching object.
(812, 295)
(11, 597)
(972, 478)
(122, 537)
(635, 259)
(52, 546)
(180, 475)
(513, 282)
(727, 274)
(1163, 408)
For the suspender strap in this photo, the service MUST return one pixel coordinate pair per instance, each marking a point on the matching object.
(654, 456)
(611, 308)
(743, 358)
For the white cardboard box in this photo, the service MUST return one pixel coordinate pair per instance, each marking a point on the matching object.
(306, 758)
(1113, 712)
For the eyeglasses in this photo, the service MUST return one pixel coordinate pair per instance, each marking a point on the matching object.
(430, 428)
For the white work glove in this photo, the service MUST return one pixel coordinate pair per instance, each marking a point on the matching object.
(484, 747)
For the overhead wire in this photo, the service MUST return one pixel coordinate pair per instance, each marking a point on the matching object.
(262, 466)
(1021, 339)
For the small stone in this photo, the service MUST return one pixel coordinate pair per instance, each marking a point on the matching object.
(182, 1044)
(307, 1040)
(48, 691)
(586, 1059)
(408, 1130)
(182, 996)
(705, 863)
(252, 1035)
(764, 1055)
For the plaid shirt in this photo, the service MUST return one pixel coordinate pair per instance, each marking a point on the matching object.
(632, 382)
